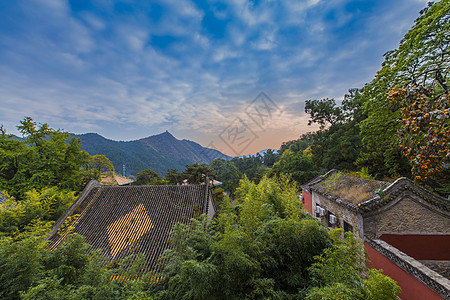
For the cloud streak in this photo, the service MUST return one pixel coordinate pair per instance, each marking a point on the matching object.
(129, 69)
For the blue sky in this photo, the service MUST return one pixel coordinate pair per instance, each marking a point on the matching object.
(131, 69)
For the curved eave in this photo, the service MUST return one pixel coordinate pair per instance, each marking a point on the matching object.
(394, 191)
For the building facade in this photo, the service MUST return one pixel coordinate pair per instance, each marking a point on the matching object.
(405, 228)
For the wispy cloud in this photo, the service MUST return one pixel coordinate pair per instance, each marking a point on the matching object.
(129, 69)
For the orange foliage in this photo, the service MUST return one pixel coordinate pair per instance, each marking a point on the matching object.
(425, 129)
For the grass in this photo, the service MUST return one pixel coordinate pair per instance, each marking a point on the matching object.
(352, 188)
(355, 194)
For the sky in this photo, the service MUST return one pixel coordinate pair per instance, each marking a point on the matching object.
(232, 75)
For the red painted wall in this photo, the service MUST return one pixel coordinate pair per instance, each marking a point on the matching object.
(412, 289)
(307, 201)
(421, 246)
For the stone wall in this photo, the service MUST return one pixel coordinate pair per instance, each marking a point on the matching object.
(342, 212)
(406, 215)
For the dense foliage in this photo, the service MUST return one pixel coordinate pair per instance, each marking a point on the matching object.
(45, 158)
(148, 177)
(28, 270)
(97, 166)
(336, 146)
(253, 167)
(45, 205)
(408, 102)
(265, 247)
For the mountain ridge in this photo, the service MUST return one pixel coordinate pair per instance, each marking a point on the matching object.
(159, 152)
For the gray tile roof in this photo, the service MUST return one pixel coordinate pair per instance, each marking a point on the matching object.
(365, 195)
(124, 220)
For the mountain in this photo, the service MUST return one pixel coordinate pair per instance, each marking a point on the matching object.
(263, 152)
(159, 152)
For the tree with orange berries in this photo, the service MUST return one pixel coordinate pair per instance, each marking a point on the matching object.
(408, 101)
(424, 134)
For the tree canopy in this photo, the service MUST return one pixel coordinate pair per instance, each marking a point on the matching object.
(265, 247)
(45, 158)
(408, 100)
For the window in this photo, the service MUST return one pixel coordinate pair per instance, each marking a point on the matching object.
(348, 227)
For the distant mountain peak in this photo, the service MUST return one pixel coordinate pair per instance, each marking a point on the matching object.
(158, 152)
(167, 133)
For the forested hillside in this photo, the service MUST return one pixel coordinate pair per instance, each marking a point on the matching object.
(159, 152)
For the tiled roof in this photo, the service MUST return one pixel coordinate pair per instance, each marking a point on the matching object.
(115, 179)
(346, 189)
(397, 188)
(107, 179)
(121, 180)
(366, 195)
(124, 220)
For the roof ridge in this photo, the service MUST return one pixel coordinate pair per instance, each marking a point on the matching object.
(318, 179)
(399, 185)
(91, 185)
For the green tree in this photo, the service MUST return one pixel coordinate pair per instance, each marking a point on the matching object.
(298, 165)
(21, 256)
(69, 261)
(197, 173)
(411, 79)
(98, 165)
(11, 151)
(47, 205)
(147, 177)
(227, 173)
(46, 158)
(258, 249)
(173, 176)
(29, 270)
(251, 166)
(323, 112)
(338, 145)
(300, 144)
(270, 158)
(218, 195)
(288, 247)
(339, 273)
